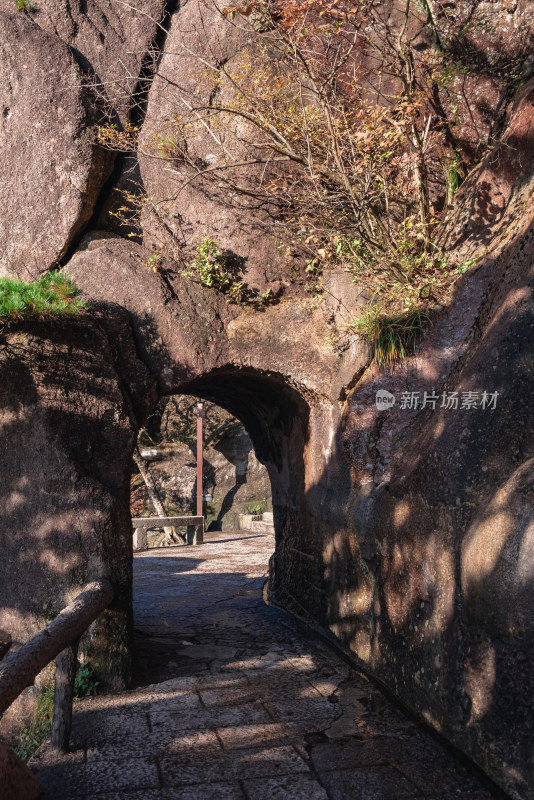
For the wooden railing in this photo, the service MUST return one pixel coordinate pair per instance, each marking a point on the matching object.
(59, 640)
(195, 528)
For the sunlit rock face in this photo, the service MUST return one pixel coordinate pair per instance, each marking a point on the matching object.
(443, 511)
(50, 171)
(110, 40)
(64, 70)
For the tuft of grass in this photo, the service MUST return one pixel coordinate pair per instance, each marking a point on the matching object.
(48, 296)
(38, 729)
(392, 336)
(39, 726)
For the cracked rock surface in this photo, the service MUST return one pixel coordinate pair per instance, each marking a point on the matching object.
(235, 700)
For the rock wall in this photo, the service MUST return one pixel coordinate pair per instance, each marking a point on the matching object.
(439, 603)
(69, 410)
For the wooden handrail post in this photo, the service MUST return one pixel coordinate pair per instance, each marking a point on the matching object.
(18, 669)
(66, 663)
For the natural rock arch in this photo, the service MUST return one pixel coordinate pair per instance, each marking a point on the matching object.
(276, 371)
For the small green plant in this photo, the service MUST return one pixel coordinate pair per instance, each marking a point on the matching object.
(333, 339)
(211, 265)
(354, 253)
(294, 272)
(257, 508)
(267, 298)
(167, 147)
(50, 295)
(85, 683)
(23, 5)
(313, 267)
(467, 264)
(393, 337)
(154, 262)
(111, 137)
(236, 292)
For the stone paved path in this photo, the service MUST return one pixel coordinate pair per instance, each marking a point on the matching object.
(239, 703)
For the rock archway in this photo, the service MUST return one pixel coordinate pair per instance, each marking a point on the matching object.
(277, 371)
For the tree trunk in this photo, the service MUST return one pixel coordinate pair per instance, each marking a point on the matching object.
(171, 533)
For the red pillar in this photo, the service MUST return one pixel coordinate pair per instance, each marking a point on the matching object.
(200, 491)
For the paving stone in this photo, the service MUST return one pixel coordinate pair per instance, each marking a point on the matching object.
(278, 683)
(445, 776)
(183, 769)
(181, 704)
(234, 721)
(287, 787)
(305, 664)
(185, 683)
(214, 698)
(227, 680)
(108, 726)
(465, 794)
(113, 776)
(380, 783)
(209, 718)
(269, 735)
(207, 652)
(204, 743)
(274, 761)
(204, 791)
(133, 704)
(309, 691)
(144, 794)
(342, 727)
(158, 744)
(62, 779)
(380, 750)
(320, 710)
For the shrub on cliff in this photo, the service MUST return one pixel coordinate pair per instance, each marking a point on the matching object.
(50, 295)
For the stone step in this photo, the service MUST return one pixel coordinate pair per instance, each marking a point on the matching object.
(262, 527)
(247, 520)
(268, 516)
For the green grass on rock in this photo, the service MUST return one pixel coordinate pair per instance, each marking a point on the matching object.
(392, 336)
(50, 295)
